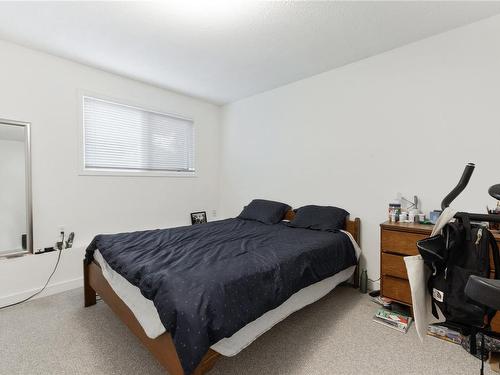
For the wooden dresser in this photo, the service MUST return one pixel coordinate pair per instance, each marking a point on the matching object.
(397, 241)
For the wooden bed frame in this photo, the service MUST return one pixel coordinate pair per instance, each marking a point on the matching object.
(163, 347)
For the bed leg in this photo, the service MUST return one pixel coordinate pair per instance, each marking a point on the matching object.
(89, 294)
(207, 363)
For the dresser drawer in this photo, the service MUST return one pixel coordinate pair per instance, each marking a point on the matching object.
(397, 289)
(400, 242)
(393, 265)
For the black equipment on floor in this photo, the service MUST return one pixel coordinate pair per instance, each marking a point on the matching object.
(459, 259)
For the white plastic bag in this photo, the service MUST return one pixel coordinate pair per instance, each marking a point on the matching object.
(418, 274)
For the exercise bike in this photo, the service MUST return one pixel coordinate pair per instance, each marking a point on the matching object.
(479, 289)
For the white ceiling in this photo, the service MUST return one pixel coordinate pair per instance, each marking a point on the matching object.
(223, 51)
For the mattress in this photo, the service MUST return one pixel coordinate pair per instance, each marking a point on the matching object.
(148, 317)
(209, 281)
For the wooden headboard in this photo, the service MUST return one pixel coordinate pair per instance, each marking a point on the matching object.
(352, 226)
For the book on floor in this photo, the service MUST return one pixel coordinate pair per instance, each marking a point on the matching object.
(394, 320)
(444, 333)
(383, 301)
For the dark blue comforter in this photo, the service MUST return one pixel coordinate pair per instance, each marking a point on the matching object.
(208, 281)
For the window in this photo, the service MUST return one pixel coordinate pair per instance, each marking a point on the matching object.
(127, 140)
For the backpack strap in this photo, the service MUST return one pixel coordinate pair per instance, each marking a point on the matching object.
(431, 292)
(467, 226)
(472, 341)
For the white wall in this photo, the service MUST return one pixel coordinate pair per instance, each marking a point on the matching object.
(404, 121)
(43, 90)
(12, 194)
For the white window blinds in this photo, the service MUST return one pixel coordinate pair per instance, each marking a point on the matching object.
(124, 138)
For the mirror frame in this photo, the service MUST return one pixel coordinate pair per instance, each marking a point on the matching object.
(29, 202)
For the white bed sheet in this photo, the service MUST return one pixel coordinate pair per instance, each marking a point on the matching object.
(147, 315)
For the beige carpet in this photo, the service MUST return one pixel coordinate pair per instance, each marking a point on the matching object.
(56, 335)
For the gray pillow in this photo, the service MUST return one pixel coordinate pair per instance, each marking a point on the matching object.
(325, 218)
(267, 212)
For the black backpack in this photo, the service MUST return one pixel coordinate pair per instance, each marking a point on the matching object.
(462, 250)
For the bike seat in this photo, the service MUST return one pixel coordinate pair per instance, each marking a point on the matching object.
(495, 191)
(484, 291)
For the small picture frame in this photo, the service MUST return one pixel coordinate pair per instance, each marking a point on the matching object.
(198, 217)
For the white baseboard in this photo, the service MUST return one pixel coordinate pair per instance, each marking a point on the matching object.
(55, 288)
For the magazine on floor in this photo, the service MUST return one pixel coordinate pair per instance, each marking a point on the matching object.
(392, 319)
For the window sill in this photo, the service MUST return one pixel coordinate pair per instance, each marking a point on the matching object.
(115, 173)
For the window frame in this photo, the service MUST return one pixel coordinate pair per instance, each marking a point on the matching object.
(84, 171)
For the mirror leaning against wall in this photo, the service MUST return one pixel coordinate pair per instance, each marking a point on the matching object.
(16, 229)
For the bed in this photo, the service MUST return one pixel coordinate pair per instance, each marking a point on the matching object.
(236, 319)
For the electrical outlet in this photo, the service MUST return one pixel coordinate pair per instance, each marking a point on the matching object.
(214, 213)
